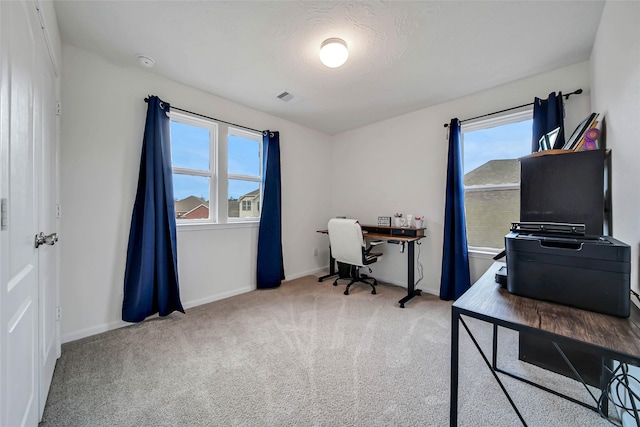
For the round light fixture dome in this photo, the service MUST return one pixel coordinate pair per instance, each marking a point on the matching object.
(333, 52)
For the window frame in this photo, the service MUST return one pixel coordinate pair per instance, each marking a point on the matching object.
(218, 173)
(513, 116)
(242, 133)
(211, 173)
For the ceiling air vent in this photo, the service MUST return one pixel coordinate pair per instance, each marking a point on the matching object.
(286, 96)
(289, 98)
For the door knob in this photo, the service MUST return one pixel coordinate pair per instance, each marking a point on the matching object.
(41, 239)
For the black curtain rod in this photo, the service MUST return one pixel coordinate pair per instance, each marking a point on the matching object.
(566, 96)
(210, 118)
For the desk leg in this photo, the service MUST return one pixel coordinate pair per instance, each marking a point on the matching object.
(605, 377)
(494, 357)
(332, 267)
(453, 403)
(411, 291)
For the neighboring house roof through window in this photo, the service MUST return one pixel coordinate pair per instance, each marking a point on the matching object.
(189, 203)
(251, 195)
(494, 172)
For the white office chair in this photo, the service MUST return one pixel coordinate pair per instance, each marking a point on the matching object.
(348, 247)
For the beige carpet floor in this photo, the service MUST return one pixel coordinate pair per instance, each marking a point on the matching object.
(300, 355)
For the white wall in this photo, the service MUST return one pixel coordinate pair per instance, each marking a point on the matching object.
(102, 127)
(615, 75)
(399, 165)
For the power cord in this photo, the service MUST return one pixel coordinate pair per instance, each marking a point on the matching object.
(419, 267)
(618, 389)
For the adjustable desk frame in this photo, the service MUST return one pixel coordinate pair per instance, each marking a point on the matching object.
(611, 338)
(373, 233)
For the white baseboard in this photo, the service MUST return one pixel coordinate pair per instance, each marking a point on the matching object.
(307, 273)
(76, 335)
(217, 297)
(73, 336)
(95, 330)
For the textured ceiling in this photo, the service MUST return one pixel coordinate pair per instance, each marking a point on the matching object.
(403, 55)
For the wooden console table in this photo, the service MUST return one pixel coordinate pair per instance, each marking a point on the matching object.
(611, 338)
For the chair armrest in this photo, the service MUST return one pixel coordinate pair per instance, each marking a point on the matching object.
(370, 258)
(372, 244)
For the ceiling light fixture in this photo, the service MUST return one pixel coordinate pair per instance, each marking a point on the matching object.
(333, 52)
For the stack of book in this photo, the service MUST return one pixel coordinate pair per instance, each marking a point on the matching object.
(585, 136)
(547, 141)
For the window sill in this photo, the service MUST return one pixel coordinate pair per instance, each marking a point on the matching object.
(483, 253)
(217, 226)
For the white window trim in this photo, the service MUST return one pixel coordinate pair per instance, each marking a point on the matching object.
(482, 252)
(218, 158)
(514, 116)
(212, 173)
(518, 115)
(210, 226)
(491, 187)
(258, 138)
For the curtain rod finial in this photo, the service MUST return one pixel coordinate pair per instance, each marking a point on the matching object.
(575, 92)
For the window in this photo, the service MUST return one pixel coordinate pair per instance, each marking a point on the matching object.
(244, 173)
(193, 158)
(491, 149)
(217, 171)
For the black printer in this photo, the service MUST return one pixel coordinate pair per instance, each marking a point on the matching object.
(558, 263)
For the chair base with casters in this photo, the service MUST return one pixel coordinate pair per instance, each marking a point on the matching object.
(349, 250)
(355, 277)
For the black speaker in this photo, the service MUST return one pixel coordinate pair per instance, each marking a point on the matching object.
(566, 188)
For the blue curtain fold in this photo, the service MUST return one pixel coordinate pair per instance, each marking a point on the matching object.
(151, 274)
(455, 278)
(548, 114)
(270, 271)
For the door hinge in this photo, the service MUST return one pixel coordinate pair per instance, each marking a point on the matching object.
(58, 108)
(58, 313)
(4, 213)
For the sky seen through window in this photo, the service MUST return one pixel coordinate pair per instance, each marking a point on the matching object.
(510, 141)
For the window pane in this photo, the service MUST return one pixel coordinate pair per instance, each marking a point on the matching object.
(489, 216)
(189, 146)
(510, 141)
(191, 194)
(491, 159)
(244, 199)
(244, 156)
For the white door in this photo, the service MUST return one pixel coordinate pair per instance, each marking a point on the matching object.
(45, 124)
(28, 340)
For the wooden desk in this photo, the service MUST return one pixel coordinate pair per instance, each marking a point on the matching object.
(400, 235)
(612, 338)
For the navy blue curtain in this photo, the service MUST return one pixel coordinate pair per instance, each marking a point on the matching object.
(151, 274)
(270, 264)
(548, 114)
(455, 279)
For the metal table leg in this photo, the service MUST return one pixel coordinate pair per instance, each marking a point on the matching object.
(411, 291)
(453, 403)
(332, 267)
